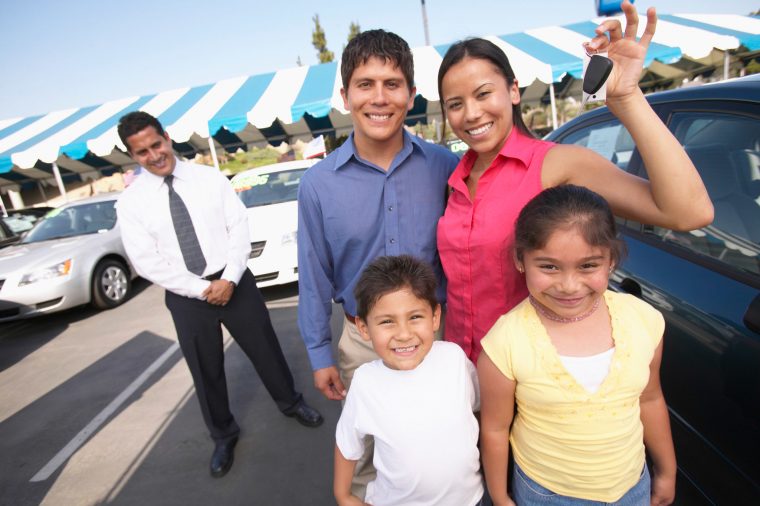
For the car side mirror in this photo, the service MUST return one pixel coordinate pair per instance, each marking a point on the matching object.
(752, 316)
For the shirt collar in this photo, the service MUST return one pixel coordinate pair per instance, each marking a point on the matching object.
(514, 147)
(347, 150)
(517, 147)
(155, 182)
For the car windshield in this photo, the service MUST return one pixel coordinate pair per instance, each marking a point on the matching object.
(269, 188)
(74, 220)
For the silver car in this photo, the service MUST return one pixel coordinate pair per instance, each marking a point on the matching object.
(74, 256)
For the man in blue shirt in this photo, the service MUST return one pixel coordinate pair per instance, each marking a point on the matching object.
(381, 193)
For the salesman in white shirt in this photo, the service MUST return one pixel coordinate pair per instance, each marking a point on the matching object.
(184, 229)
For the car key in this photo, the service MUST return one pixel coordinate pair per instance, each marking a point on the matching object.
(595, 77)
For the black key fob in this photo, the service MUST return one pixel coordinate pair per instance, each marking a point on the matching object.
(597, 72)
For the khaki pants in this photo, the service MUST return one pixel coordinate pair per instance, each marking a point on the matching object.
(353, 351)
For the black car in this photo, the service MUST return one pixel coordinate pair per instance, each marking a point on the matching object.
(706, 283)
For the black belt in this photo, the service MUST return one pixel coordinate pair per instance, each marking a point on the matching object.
(214, 276)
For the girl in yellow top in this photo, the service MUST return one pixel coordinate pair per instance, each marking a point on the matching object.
(583, 365)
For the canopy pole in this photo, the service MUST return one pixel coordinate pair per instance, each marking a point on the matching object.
(41, 188)
(554, 106)
(212, 148)
(59, 181)
(15, 195)
(2, 205)
(726, 62)
(425, 23)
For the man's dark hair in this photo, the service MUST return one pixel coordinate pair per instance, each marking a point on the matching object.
(391, 273)
(379, 44)
(135, 121)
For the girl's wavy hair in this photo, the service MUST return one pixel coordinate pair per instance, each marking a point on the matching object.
(567, 207)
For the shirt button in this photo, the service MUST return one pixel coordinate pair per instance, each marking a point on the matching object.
(390, 208)
(393, 241)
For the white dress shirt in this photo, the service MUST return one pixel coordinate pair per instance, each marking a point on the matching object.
(219, 219)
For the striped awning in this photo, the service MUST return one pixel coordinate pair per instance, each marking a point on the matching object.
(297, 103)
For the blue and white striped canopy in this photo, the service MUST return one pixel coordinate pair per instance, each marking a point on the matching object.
(300, 102)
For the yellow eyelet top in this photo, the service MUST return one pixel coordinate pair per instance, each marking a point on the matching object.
(576, 443)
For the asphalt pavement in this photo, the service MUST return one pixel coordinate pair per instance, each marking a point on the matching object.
(99, 408)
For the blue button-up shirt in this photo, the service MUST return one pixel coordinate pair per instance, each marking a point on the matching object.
(350, 212)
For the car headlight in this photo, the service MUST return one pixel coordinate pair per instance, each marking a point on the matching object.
(288, 238)
(54, 271)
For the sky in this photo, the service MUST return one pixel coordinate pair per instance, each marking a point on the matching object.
(63, 54)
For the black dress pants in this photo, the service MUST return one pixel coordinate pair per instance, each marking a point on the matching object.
(199, 332)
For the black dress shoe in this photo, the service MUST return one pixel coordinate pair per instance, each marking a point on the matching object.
(306, 415)
(221, 459)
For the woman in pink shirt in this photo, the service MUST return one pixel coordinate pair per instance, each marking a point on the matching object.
(506, 166)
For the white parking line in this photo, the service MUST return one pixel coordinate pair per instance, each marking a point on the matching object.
(84, 434)
(283, 303)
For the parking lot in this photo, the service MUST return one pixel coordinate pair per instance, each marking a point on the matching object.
(99, 408)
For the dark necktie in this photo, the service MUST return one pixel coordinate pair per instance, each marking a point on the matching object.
(183, 227)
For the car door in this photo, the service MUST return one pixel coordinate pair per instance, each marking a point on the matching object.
(706, 283)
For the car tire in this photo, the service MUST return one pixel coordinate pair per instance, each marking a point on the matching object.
(111, 284)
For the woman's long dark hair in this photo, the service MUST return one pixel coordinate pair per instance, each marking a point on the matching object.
(484, 50)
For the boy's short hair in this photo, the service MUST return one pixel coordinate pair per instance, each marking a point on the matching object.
(379, 44)
(391, 273)
(134, 122)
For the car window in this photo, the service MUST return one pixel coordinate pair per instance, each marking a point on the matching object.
(725, 149)
(269, 188)
(74, 220)
(609, 138)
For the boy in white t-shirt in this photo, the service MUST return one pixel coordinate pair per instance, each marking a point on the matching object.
(417, 400)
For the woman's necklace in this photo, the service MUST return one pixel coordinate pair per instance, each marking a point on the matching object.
(551, 315)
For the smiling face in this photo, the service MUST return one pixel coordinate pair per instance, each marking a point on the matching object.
(402, 328)
(152, 151)
(478, 104)
(378, 98)
(567, 275)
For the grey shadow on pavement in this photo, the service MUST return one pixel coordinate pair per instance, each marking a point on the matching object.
(21, 338)
(277, 460)
(35, 434)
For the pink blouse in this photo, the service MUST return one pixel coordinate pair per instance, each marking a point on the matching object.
(475, 239)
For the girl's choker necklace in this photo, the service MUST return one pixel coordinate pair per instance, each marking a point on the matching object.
(551, 315)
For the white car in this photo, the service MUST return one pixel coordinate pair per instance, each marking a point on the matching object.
(270, 195)
(73, 256)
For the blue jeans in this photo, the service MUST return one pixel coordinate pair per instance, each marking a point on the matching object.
(527, 492)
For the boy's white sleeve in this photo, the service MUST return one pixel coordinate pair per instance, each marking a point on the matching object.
(348, 438)
(472, 384)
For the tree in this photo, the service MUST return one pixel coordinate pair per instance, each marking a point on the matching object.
(752, 67)
(319, 41)
(353, 30)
